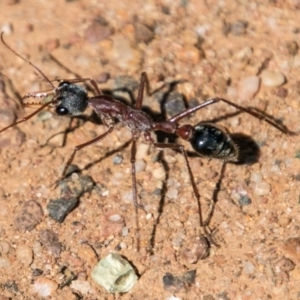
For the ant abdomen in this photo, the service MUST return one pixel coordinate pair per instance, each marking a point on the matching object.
(211, 141)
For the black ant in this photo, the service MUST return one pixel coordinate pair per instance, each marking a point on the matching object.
(70, 99)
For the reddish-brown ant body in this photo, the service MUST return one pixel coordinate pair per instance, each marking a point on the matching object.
(206, 139)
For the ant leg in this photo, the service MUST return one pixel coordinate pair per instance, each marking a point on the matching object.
(27, 117)
(81, 146)
(143, 82)
(78, 80)
(249, 110)
(203, 227)
(133, 175)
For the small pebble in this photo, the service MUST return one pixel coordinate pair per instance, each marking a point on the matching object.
(45, 287)
(140, 165)
(50, 241)
(126, 53)
(7, 28)
(244, 200)
(272, 78)
(172, 283)
(159, 173)
(248, 87)
(60, 208)
(292, 48)
(239, 27)
(118, 159)
(97, 32)
(174, 103)
(24, 254)
(292, 248)
(52, 44)
(262, 188)
(281, 92)
(81, 286)
(115, 274)
(4, 262)
(29, 215)
(142, 33)
(195, 248)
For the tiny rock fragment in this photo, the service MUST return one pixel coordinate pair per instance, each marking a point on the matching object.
(115, 274)
(50, 241)
(60, 208)
(272, 78)
(29, 215)
(172, 283)
(292, 248)
(174, 103)
(195, 248)
(24, 254)
(143, 33)
(248, 87)
(45, 287)
(97, 31)
(81, 286)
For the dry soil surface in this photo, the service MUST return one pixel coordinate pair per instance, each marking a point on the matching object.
(192, 50)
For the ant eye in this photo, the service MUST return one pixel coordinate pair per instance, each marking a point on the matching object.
(60, 110)
(63, 83)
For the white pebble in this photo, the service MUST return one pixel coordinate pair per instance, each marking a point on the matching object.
(115, 218)
(44, 286)
(140, 165)
(81, 286)
(4, 262)
(248, 87)
(262, 188)
(272, 78)
(256, 177)
(249, 268)
(7, 28)
(172, 193)
(159, 173)
(24, 254)
(142, 151)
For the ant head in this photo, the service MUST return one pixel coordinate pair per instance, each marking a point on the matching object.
(71, 99)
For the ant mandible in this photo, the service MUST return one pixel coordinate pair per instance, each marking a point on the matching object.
(70, 99)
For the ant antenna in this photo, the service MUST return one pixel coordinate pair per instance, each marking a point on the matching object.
(25, 59)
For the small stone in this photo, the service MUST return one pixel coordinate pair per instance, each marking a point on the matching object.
(281, 92)
(4, 262)
(87, 183)
(50, 241)
(195, 248)
(28, 216)
(7, 28)
(44, 286)
(126, 53)
(244, 200)
(81, 286)
(24, 254)
(174, 103)
(239, 27)
(142, 151)
(97, 31)
(292, 48)
(159, 173)
(262, 188)
(272, 78)
(249, 268)
(60, 208)
(115, 274)
(140, 165)
(143, 33)
(172, 283)
(292, 248)
(52, 44)
(248, 87)
(118, 159)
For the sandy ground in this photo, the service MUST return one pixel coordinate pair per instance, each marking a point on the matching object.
(244, 51)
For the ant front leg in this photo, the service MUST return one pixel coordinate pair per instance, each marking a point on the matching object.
(81, 146)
